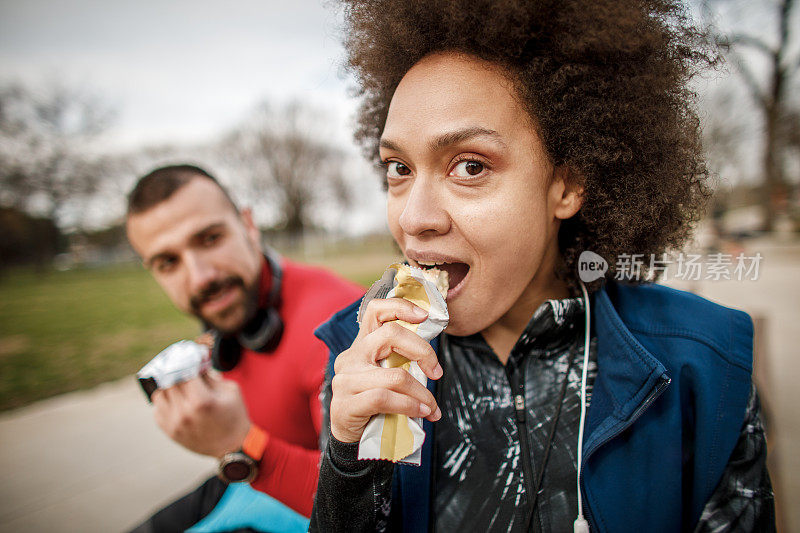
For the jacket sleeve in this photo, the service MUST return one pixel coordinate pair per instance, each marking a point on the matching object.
(352, 495)
(743, 500)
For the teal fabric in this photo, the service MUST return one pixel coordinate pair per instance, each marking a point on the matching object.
(241, 507)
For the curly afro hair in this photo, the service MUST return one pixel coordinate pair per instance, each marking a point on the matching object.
(605, 81)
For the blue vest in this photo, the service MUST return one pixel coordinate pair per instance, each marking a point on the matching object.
(666, 410)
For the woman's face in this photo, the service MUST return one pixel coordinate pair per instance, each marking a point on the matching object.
(470, 186)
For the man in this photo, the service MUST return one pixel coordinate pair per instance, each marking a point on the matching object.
(261, 417)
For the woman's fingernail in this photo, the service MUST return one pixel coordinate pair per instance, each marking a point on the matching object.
(424, 410)
(438, 414)
(420, 312)
(437, 371)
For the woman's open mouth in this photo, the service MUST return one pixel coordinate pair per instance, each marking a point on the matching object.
(456, 272)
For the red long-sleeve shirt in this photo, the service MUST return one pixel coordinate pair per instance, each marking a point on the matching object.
(281, 389)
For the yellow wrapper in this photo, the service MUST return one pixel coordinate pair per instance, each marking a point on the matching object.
(392, 437)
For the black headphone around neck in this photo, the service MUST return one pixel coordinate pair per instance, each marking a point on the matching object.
(261, 334)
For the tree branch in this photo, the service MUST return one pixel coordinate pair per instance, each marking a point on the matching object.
(785, 11)
(751, 41)
(749, 78)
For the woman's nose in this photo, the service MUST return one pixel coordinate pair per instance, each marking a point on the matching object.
(424, 210)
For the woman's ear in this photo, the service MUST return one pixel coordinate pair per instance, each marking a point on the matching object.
(567, 192)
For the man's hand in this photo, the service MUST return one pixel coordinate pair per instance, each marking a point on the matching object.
(205, 414)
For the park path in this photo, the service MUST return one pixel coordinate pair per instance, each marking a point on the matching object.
(89, 461)
(95, 461)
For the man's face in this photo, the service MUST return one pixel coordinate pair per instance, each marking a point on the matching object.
(204, 254)
(470, 185)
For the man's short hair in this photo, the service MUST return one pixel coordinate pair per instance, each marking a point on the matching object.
(160, 184)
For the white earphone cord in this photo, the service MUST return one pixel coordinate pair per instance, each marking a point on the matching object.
(581, 525)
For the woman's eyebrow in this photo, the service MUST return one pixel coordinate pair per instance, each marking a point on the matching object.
(450, 138)
(457, 136)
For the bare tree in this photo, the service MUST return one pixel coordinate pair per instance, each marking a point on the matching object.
(45, 142)
(723, 131)
(771, 94)
(281, 155)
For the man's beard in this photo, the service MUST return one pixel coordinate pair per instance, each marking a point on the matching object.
(217, 286)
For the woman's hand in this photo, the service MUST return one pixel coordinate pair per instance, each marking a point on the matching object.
(362, 389)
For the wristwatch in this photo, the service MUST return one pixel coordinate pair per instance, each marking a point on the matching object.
(237, 466)
(242, 465)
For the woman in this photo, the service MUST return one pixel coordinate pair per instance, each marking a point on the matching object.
(515, 136)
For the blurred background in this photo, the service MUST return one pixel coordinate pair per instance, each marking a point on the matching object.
(94, 94)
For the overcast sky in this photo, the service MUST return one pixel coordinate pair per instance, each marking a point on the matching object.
(178, 69)
(181, 71)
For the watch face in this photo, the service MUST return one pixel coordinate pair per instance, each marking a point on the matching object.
(237, 467)
(236, 471)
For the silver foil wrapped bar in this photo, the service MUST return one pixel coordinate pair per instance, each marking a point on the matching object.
(178, 362)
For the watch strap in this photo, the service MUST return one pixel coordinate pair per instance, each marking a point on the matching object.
(255, 442)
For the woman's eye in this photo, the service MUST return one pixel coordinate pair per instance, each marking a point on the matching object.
(467, 169)
(395, 169)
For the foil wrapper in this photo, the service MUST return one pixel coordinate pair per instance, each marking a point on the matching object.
(178, 362)
(394, 437)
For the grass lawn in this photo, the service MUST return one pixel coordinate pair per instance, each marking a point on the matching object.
(63, 331)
